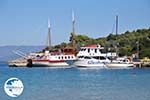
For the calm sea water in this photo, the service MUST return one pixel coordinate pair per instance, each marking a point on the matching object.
(78, 84)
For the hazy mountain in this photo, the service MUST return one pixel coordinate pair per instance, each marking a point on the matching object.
(6, 52)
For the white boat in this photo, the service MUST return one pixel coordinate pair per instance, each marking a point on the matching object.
(54, 59)
(49, 58)
(90, 62)
(120, 63)
(91, 56)
(46, 59)
(64, 57)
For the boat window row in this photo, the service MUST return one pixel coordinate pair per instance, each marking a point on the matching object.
(80, 56)
(85, 57)
(95, 57)
(65, 57)
(90, 50)
(83, 50)
(100, 57)
(95, 50)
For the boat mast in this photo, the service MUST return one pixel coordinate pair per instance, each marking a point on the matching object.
(73, 23)
(116, 24)
(73, 42)
(49, 36)
(117, 34)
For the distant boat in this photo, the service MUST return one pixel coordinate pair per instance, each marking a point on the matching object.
(21, 62)
(121, 63)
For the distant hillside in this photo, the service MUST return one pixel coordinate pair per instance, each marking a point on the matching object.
(7, 54)
(130, 41)
(126, 42)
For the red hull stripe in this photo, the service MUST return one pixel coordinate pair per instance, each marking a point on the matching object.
(51, 61)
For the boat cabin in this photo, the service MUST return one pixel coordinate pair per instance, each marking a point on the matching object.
(94, 50)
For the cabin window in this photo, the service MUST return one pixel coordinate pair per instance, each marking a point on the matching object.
(124, 60)
(58, 57)
(65, 57)
(100, 50)
(95, 50)
(88, 50)
(102, 58)
(86, 57)
(62, 57)
(80, 56)
(38, 56)
(68, 57)
(82, 49)
(110, 58)
(96, 57)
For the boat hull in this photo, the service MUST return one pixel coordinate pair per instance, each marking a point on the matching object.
(90, 63)
(17, 64)
(119, 65)
(50, 63)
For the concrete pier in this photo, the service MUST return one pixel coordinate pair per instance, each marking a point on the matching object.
(138, 64)
(141, 64)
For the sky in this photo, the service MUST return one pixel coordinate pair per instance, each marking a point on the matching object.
(24, 22)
